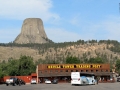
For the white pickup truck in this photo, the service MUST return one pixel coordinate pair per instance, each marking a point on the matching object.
(9, 81)
(12, 81)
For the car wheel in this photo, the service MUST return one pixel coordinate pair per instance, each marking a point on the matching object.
(7, 84)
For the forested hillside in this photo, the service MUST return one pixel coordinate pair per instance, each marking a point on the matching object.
(92, 51)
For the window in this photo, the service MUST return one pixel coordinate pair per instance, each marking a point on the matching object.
(106, 70)
(40, 71)
(45, 71)
(50, 71)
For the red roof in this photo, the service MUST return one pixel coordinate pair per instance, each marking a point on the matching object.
(33, 74)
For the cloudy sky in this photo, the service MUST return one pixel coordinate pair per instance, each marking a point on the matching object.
(64, 20)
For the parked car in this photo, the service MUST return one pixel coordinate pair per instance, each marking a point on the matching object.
(47, 81)
(54, 81)
(14, 81)
(33, 81)
(118, 79)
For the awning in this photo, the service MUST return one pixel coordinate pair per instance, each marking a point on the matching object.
(69, 74)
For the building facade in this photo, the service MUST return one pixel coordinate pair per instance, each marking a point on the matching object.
(63, 71)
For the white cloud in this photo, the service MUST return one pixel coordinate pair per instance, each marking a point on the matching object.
(61, 35)
(21, 9)
(106, 29)
(8, 35)
(76, 20)
(114, 30)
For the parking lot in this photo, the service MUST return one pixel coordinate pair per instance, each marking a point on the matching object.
(63, 86)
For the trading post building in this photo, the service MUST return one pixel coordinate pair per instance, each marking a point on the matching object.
(63, 71)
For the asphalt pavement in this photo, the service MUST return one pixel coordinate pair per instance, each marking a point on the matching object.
(63, 86)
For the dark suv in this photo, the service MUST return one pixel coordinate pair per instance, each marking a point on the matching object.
(118, 79)
(54, 81)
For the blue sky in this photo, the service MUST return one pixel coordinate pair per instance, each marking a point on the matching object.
(64, 20)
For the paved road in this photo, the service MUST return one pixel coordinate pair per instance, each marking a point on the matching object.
(63, 86)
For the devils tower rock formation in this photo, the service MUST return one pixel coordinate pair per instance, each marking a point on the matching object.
(32, 32)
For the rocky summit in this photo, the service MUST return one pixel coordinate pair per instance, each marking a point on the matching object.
(32, 31)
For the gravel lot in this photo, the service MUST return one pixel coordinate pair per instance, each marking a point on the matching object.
(63, 86)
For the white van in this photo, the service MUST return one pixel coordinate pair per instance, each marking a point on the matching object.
(78, 78)
(75, 78)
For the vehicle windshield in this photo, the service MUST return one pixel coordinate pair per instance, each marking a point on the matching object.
(33, 79)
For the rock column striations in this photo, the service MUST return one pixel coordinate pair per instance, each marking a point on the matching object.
(32, 32)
